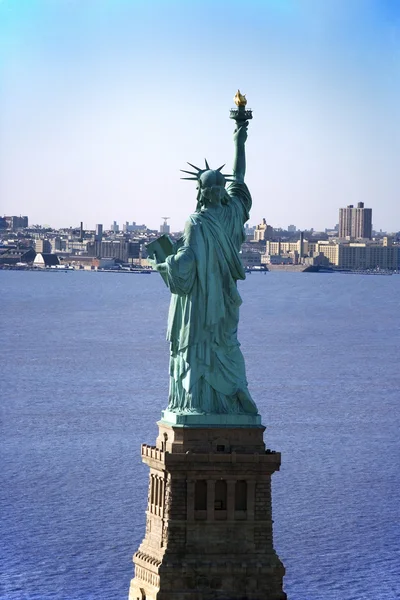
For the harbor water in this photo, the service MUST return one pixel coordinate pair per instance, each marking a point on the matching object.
(84, 377)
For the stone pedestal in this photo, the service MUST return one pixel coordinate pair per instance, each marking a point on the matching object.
(209, 524)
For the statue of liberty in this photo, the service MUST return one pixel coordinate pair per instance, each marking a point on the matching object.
(207, 370)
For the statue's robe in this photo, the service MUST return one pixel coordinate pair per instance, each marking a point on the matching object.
(207, 370)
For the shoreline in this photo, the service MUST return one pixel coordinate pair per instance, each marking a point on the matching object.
(249, 271)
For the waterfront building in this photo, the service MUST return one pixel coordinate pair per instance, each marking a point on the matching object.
(43, 260)
(278, 259)
(13, 256)
(122, 250)
(251, 258)
(87, 263)
(360, 255)
(328, 249)
(355, 222)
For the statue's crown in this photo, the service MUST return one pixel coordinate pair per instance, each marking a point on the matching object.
(208, 177)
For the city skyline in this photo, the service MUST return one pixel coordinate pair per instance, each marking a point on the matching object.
(104, 103)
(359, 229)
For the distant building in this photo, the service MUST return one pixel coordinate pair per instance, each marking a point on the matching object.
(263, 232)
(361, 225)
(278, 248)
(164, 227)
(73, 245)
(345, 215)
(250, 258)
(134, 227)
(58, 244)
(279, 259)
(115, 227)
(42, 245)
(121, 250)
(292, 228)
(355, 223)
(355, 256)
(331, 232)
(14, 256)
(14, 222)
(99, 233)
(249, 232)
(103, 263)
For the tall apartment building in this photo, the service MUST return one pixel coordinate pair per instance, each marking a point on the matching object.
(355, 222)
(345, 215)
(15, 222)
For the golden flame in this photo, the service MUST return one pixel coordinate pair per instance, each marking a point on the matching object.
(240, 99)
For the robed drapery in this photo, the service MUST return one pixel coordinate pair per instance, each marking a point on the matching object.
(207, 370)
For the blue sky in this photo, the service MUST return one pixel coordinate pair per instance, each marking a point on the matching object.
(103, 101)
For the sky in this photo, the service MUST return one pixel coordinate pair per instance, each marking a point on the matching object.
(102, 102)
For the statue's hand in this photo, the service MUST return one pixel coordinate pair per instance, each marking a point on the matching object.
(240, 133)
(160, 267)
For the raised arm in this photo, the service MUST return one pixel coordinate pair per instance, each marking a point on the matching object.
(239, 161)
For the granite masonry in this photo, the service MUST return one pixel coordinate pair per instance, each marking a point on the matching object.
(209, 522)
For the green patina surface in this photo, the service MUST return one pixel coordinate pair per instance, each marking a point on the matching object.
(208, 383)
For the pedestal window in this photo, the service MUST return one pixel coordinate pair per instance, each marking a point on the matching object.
(220, 495)
(200, 495)
(241, 495)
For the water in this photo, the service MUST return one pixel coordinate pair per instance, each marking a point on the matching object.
(83, 380)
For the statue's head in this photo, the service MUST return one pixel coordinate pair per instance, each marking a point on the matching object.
(210, 178)
(210, 185)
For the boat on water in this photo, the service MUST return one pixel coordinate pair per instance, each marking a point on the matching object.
(256, 270)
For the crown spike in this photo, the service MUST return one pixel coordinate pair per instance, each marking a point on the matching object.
(207, 165)
(194, 167)
(190, 172)
(191, 178)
